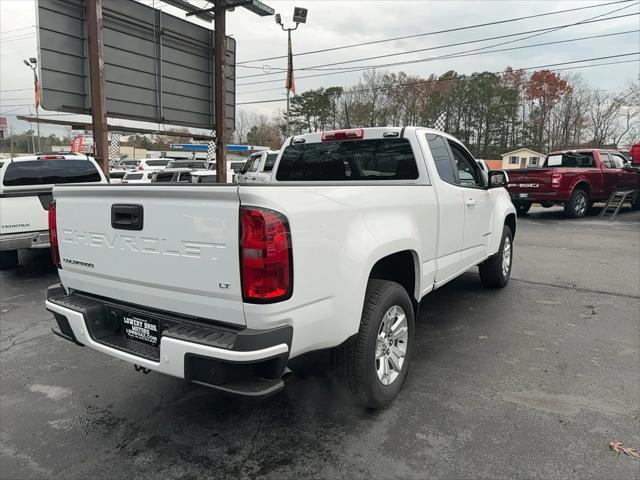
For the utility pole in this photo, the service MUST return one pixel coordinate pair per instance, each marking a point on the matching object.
(219, 10)
(11, 138)
(98, 92)
(220, 80)
(32, 63)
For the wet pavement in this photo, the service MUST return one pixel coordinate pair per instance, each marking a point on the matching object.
(532, 381)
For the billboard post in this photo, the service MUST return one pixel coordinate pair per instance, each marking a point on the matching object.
(98, 94)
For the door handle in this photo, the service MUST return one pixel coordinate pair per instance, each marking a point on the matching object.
(126, 216)
(470, 202)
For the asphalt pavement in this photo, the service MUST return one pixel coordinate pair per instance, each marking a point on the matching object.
(531, 381)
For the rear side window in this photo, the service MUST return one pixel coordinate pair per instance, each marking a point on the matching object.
(271, 159)
(442, 158)
(571, 159)
(162, 177)
(49, 172)
(365, 160)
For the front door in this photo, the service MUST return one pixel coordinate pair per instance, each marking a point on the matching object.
(477, 206)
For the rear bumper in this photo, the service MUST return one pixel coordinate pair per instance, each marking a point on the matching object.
(17, 241)
(247, 362)
(537, 197)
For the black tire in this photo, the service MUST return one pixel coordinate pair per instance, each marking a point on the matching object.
(8, 259)
(546, 204)
(355, 361)
(522, 207)
(635, 201)
(492, 273)
(578, 204)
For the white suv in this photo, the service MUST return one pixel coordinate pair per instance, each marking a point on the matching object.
(25, 194)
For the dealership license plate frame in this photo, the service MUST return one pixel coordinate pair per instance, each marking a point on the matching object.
(142, 331)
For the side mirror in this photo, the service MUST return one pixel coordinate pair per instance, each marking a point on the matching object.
(498, 179)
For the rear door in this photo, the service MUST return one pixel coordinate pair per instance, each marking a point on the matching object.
(173, 248)
(451, 210)
(628, 178)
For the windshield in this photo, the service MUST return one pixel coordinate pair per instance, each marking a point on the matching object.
(49, 172)
(571, 159)
(376, 159)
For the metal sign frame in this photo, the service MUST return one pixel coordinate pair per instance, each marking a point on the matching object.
(158, 68)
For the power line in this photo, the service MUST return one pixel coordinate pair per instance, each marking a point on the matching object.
(374, 42)
(465, 77)
(544, 30)
(440, 57)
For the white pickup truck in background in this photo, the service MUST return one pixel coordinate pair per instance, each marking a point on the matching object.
(258, 168)
(25, 193)
(227, 285)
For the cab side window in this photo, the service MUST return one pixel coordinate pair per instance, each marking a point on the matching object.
(617, 160)
(606, 159)
(467, 168)
(247, 165)
(442, 158)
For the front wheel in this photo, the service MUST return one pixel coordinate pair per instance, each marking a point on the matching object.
(495, 271)
(578, 204)
(8, 259)
(635, 201)
(374, 364)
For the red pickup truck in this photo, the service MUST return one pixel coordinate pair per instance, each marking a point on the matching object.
(575, 179)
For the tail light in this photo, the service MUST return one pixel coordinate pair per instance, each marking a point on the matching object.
(265, 254)
(555, 180)
(336, 135)
(53, 235)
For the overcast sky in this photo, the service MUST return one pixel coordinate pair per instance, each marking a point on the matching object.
(341, 22)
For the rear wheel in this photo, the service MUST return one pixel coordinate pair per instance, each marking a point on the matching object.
(578, 204)
(546, 204)
(522, 207)
(8, 259)
(374, 364)
(495, 271)
(635, 201)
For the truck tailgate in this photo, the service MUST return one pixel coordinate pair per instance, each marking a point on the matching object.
(530, 180)
(172, 248)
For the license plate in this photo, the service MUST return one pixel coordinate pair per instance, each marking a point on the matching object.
(140, 328)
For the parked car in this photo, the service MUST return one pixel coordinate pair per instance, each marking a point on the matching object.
(573, 178)
(226, 287)
(137, 176)
(116, 174)
(192, 164)
(172, 175)
(25, 193)
(204, 176)
(634, 153)
(128, 164)
(258, 167)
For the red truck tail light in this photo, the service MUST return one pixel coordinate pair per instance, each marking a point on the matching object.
(53, 235)
(265, 255)
(555, 180)
(336, 135)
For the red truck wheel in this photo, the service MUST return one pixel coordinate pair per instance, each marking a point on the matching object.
(522, 207)
(578, 204)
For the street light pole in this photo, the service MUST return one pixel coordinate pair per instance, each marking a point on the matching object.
(32, 63)
(299, 16)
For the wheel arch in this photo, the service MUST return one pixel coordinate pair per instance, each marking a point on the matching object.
(510, 221)
(402, 267)
(582, 184)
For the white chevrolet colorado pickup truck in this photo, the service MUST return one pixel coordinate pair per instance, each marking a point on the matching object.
(25, 193)
(228, 285)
